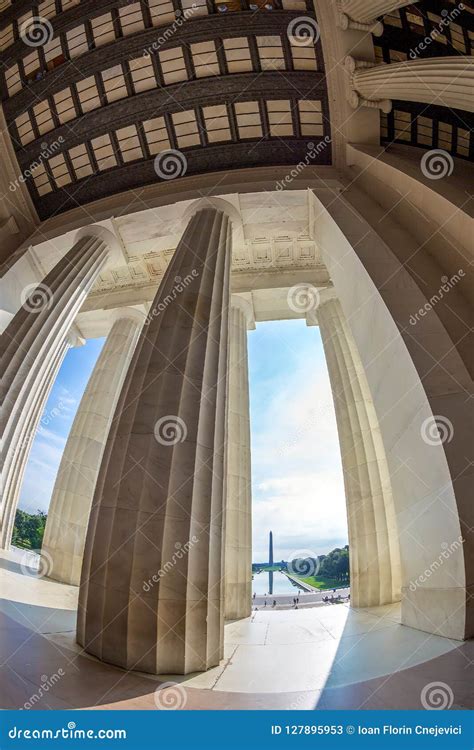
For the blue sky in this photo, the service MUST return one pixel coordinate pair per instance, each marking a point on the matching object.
(55, 424)
(297, 483)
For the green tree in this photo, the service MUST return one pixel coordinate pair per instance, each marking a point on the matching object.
(28, 530)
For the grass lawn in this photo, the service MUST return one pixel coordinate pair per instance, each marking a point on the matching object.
(267, 569)
(322, 583)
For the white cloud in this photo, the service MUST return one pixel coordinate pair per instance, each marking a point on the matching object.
(304, 511)
(298, 488)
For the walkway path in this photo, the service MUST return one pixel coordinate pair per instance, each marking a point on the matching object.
(306, 598)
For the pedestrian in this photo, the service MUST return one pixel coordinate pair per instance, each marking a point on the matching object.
(265, 603)
(274, 602)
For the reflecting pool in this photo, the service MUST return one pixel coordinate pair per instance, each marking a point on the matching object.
(273, 583)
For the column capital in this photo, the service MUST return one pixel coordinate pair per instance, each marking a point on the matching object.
(128, 313)
(324, 296)
(345, 22)
(74, 337)
(244, 302)
(363, 14)
(352, 65)
(450, 80)
(116, 255)
(227, 208)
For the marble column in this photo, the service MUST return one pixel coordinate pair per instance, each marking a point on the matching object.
(373, 539)
(151, 584)
(238, 513)
(30, 345)
(363, 14)
(69, 510)
(444, 81)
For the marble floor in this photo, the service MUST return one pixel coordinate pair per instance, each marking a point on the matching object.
(327, 656)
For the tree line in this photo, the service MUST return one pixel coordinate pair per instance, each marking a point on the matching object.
(335, 564)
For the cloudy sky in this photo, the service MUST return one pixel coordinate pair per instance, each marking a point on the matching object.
(297, 482)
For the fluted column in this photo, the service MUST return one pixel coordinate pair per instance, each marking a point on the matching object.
(445, 81)
(69, 510)
(150, 596)
(373, 539)
(238, 514)
(30, 344)
(363, 14)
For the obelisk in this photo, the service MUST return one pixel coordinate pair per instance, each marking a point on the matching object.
(270, 549)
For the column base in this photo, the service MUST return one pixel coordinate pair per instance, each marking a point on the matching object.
(63, 568)
(238, 598)
(438, 611)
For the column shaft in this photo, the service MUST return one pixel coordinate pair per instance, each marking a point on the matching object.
(238, 520)
(71, 501)
(29, 344)
(373, 543)
(366, 11)
(150, 596)
(445, 81)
